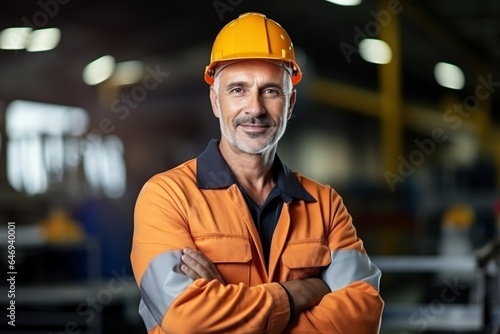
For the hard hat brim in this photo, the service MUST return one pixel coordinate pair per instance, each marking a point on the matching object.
(210, 70)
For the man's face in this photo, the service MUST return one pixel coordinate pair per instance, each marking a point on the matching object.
(253, 101)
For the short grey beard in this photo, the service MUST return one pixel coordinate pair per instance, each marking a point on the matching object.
(241, 146)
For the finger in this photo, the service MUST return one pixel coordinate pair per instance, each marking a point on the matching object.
(202, 265)
(189, 272)
(200, 259)
(194, 264)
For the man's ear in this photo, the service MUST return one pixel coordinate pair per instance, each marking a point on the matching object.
(213, 102)
(291, 103)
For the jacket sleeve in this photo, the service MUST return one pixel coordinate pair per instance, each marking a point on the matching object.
(171, 302)
(354, 304)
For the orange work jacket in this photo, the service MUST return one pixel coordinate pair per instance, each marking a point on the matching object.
(312, 239)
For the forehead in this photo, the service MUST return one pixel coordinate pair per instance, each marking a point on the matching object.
(252, 70)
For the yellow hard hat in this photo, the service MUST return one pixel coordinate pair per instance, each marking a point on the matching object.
(253, 36)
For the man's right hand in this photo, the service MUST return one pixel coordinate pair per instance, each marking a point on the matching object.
(196, 265)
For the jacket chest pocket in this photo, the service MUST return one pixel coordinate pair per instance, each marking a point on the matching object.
(304, 259)
(231, 255)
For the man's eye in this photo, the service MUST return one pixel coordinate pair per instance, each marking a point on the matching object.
(236, 90)
(271, 91)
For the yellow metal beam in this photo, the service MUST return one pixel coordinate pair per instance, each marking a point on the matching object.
(419, 117)
(390, 94)
(483, 120)
(496, 151)
(388, 106)
(343, 96)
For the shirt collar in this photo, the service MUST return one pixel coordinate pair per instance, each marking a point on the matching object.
(212, 172)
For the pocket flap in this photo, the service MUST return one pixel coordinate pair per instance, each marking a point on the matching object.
(306, 254)
(224, 248)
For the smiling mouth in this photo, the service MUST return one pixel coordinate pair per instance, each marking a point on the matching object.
(254, 127)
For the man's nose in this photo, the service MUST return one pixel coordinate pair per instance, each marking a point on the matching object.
(255, 105)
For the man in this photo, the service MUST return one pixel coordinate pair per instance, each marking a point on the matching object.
(235, 242)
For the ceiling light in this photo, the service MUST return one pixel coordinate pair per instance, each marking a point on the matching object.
(44, 39)
(345, 2)
(449, 76)
(128, 72)
(98, 70)
(27, 118)
(14, 38)
(375, 51)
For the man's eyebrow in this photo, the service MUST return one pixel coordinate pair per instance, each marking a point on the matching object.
(233, 84)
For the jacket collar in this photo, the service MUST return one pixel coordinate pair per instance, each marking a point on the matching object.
(212, 172)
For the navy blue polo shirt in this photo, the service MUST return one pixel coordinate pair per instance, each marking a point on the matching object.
(212, 172)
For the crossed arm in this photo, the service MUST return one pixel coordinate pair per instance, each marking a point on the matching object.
(171, 292)
(304, 293)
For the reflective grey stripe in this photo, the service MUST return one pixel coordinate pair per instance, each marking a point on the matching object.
(149, 321)
(349, 266)
(161, 284)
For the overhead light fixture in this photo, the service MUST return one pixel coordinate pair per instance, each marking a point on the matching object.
(128, 72)
(99, 70)
(449, 75)
(345, 2)
(14, 38)
(43, 39)
(375, 51)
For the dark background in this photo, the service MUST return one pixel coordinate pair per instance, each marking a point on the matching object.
(340, 134)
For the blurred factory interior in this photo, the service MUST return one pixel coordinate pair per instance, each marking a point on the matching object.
(398, 110)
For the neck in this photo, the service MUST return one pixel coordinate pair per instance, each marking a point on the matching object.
(252, 171)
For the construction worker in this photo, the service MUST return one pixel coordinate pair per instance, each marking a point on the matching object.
(233, 241)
